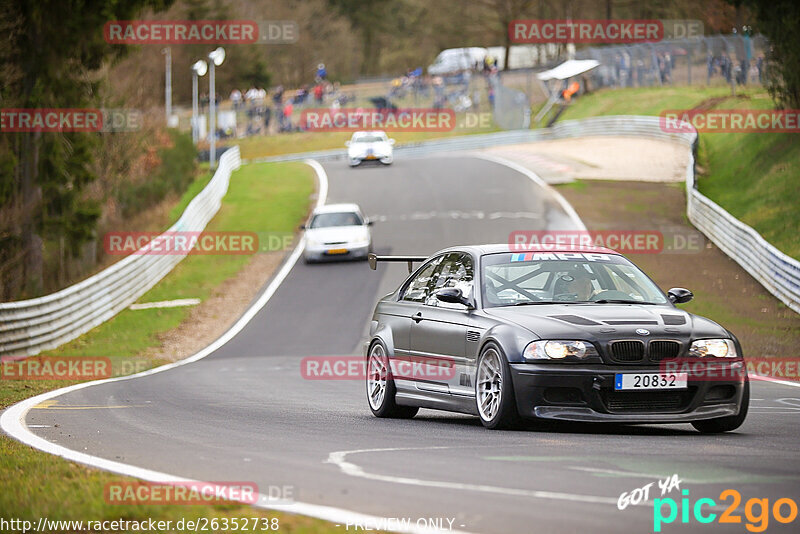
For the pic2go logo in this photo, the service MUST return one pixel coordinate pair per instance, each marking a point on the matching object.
(756, 511)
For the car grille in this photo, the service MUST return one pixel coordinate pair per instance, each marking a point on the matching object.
(627, 351)
(646, 401)
(634, 350)
(663, 350)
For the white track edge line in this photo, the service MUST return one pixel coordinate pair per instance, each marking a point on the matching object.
(339, 459)
(761, 378)
(12, 420)
(565, 205)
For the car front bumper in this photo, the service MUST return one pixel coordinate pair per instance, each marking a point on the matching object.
(586, 393)
(345, 251)
(366, 158)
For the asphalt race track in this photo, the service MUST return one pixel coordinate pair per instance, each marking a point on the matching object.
(245, 413)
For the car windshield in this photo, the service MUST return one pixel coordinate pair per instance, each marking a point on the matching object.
(511, 279)
(345, 218)
(368, 139)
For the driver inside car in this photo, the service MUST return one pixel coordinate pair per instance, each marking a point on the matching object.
(577, 284)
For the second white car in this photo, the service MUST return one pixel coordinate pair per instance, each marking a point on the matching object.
(337, 231)
(373, 145)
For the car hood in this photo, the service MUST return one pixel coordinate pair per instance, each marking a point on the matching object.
(360, 149)
(602, 322)
(338, 234)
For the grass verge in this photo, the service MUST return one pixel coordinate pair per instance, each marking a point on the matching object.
(261, 198)
(754, 175)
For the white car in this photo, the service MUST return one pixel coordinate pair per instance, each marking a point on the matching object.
(369, 146)
(455, 60)
(337, 231)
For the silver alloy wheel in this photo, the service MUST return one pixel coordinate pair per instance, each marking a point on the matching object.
(489, 385)
(376, 376)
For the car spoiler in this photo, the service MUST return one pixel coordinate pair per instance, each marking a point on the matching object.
(373, 260)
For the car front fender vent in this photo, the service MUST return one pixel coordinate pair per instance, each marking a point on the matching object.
(674, 319)
(473, 336)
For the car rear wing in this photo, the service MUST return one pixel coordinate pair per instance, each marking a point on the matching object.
(373, 260)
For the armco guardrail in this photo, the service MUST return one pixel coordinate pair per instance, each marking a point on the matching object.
(776, 271)
(28, 327)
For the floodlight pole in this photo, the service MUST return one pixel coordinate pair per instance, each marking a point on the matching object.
(168, 82)
(195, 128)
(212, 106)
(215, 59)
(198, 69)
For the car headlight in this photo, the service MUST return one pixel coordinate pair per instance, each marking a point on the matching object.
(558, 350)
(720, 348)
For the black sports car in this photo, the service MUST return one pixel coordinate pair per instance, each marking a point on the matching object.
(578, 334)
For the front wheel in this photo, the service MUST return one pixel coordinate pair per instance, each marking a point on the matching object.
(726, 424)
(494, 392)
(380, 386)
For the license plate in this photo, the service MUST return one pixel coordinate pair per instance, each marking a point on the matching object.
(337, 251)
(639, 381)
(370, 156)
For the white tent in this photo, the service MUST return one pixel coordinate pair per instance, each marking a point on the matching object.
(565, 71)
(568, 69)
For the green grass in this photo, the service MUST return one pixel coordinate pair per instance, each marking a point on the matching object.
(37, 485)
(755, 176)
(272, 197)
(640, 101)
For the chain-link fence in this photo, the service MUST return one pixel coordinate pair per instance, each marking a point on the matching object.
(720, 60)
(730, 59)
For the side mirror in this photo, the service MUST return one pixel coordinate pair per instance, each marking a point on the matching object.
(391, 141)
(302, 226)
(369, 222)
(453, 295)
(347, 143)
(679, 295)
